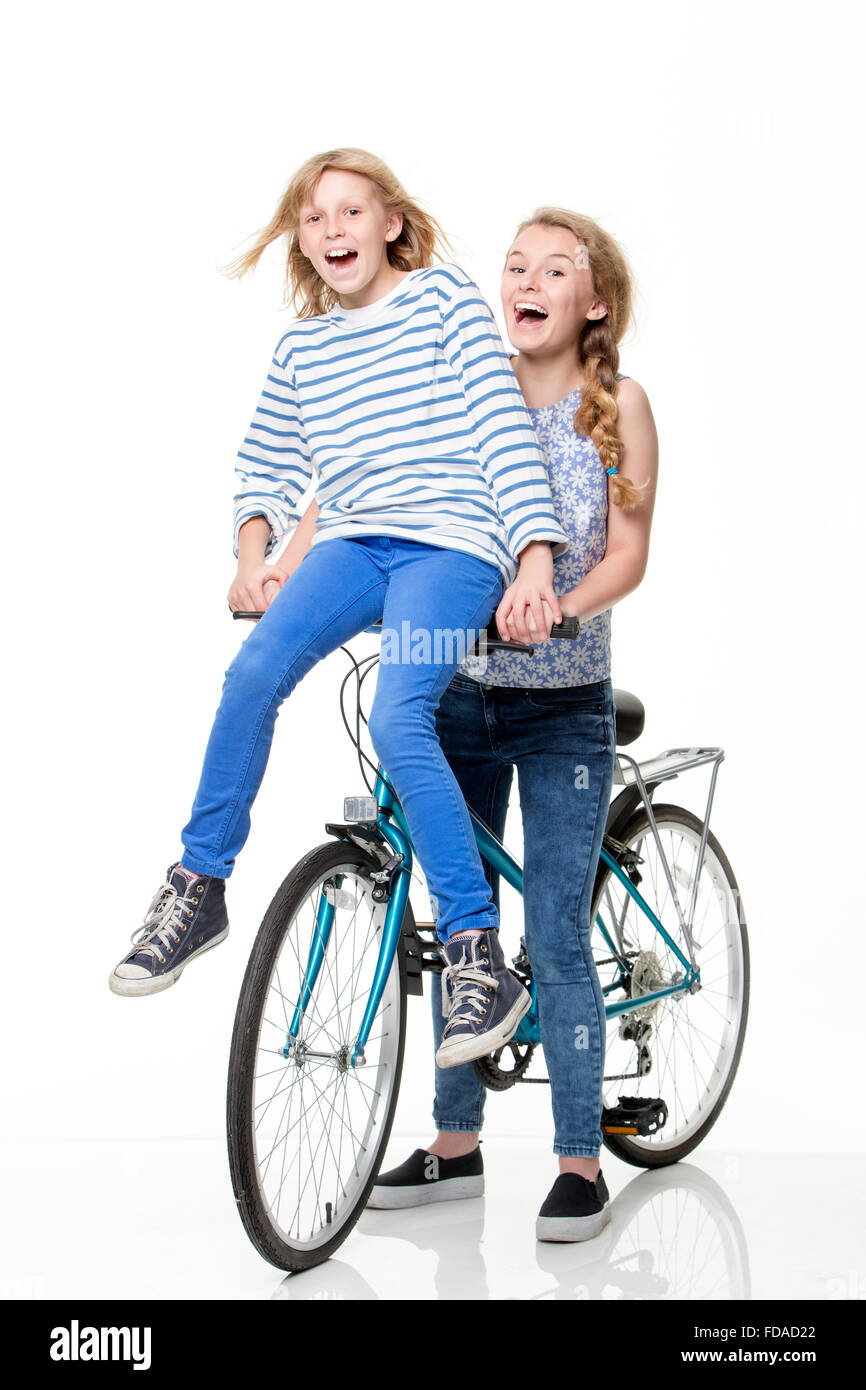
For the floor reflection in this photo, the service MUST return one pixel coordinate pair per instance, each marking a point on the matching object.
(673, 1234)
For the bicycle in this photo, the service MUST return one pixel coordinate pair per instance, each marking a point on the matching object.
(319, 1034)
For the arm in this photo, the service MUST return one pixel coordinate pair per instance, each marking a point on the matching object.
(505, 440)
(293, 554)
(628, 533)
(249, 592)
(301, 541)
(274, 464)
(532, 589)
(273, 467)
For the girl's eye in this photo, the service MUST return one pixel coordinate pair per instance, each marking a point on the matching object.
(351, 211)
(314, 217)
(554, 271)
(517, 270)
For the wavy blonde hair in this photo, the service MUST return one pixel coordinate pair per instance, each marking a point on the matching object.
(598, 343)
(420, 239)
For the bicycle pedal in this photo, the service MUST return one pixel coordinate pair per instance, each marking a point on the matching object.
(634, 1115)
(422, 949)
(421, 953)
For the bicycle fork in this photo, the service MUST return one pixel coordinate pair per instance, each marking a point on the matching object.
(392, 885)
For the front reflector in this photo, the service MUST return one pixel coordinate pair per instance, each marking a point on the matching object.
(360, 808)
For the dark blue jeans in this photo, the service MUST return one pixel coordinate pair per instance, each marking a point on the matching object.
(562, 743)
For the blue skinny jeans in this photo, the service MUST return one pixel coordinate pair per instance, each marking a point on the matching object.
(563, 745)
(341, 587)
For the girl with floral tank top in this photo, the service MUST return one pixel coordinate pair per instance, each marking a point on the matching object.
(566, 295)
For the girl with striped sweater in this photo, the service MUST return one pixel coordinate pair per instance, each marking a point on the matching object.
(394, 391)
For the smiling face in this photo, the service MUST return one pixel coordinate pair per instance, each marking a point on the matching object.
(547, 291)
(344, 231)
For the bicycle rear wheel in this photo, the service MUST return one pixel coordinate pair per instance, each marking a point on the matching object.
(684, 1049)
(307, 1130)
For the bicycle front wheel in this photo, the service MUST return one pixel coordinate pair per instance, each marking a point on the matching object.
(306, 1129)
(683, 1049)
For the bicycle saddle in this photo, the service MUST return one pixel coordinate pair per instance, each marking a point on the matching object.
(630, 716)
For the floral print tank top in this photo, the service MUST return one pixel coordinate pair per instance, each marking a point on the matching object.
(578, 483)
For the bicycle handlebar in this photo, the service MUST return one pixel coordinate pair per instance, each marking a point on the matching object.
(569, 628)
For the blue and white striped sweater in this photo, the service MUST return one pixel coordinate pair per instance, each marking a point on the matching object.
(410, 416)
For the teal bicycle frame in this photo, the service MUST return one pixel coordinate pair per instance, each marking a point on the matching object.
(391, 829)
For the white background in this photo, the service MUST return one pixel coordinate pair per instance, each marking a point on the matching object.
(722, 146)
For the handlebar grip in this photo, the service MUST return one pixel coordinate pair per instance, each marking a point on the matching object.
(568, 628)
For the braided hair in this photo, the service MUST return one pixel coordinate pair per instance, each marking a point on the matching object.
(598, 344)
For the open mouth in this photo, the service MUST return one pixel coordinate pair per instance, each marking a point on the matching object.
(525, 312)
(340, 258)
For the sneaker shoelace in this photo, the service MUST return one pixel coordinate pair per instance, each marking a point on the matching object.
(470, 986)
(162, 921)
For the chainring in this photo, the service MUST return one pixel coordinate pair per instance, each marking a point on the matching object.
(498, 1078)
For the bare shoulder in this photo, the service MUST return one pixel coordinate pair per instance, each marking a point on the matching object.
(632, 400)
(634, 420)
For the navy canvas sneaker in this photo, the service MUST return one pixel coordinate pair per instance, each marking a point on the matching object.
(574, 1209)
(426, 1177)
(487, 1001)
(186, 918)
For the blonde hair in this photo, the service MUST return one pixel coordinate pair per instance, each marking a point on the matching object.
(419, 241)
(597, 343)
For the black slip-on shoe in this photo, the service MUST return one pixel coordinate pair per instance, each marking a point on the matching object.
(425, 1177)
(574, 1209)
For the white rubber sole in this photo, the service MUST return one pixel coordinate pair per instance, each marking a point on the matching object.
(467, 1049)
(157, 983)
(444, 1190)
(571, 1228)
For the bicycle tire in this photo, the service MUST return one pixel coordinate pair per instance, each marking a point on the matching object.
(273, 1240)
(656, 1151)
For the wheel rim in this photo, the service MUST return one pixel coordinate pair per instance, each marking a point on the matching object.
(316, 1120)
(693, 1043)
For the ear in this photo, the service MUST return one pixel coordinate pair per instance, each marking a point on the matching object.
(394, 226)
(597, 310)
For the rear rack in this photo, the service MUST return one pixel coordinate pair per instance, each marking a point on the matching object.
(667, 765)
